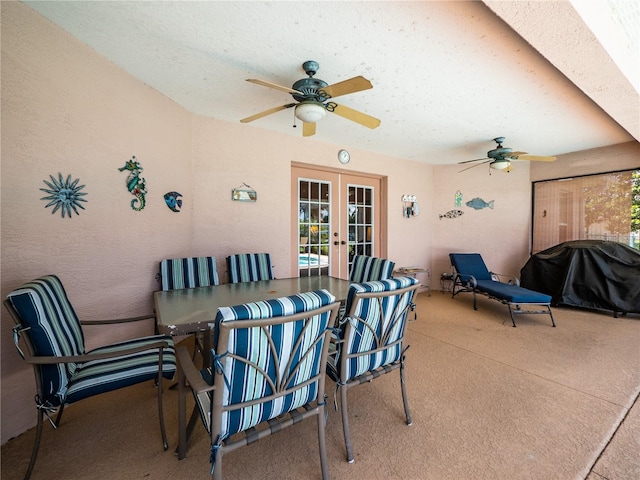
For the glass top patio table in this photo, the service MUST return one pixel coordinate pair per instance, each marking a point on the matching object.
(190, 310)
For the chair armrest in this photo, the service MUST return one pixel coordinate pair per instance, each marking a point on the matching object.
(118, 320)
(467, 278)
(511, 279)
(187, 367)
(42, 360)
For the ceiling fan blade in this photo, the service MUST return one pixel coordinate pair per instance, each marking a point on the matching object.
(308, 129)
(355, 84)
(534, 158)
(516, 154)
(477, 164)
(264, 83)
(476, 160)
(356, 116)
(267, 112)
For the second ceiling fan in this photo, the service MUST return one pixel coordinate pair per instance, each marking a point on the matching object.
(500, 157)
(312, 97)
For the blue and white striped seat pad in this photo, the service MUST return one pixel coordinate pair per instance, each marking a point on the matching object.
(100, 376)
(285, 364)
(54, 330)
(249, 267)
(363, 339)
(177, 273)
(368, 269)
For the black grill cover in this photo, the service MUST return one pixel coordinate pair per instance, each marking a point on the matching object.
(587, 273)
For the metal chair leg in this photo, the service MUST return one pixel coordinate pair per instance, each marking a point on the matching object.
(404, 395)
(36, 445)
(165, 443)
(322, 443)
(345, 423)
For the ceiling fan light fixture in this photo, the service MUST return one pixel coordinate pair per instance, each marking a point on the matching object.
(500, 164)
(310, 112)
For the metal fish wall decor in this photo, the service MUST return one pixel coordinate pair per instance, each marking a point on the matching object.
(173, 201)
(478, 204)
(451, 214)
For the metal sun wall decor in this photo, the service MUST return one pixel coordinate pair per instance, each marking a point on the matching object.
(173, 201)
(64, 194)
(135, 183)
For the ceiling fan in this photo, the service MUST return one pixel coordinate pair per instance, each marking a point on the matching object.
(312, 95)
(500, 157)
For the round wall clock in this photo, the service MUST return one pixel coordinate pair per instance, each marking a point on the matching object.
(344, 157)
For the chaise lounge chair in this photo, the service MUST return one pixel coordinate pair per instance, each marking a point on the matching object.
(472, 275)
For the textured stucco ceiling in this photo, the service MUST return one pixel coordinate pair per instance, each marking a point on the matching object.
(448, 76)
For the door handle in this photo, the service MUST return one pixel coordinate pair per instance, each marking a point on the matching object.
(343, 242)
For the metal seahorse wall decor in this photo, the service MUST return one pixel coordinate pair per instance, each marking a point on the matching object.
(135, 183)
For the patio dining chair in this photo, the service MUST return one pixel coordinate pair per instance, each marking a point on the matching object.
(371, 340)
(190, 272)
(249, 267)
(368, 269)
(52, 341)
(177, 273)
(268, 373)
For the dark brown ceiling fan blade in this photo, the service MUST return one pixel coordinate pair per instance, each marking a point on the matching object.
(264, 83)
(308, 129)
(267, 112)
(476, 160)
(477, 164)
(355, 84)
(355, 116)
(533, 158)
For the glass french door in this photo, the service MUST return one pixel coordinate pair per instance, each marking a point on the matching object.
(336, 216)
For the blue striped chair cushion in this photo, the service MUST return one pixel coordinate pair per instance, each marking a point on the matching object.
(100, 376)
(370, 331)
(249, 267)
(368, 269)
(177, 273)
(54, 330)
(291, 359)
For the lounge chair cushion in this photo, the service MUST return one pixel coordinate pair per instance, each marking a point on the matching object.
(511, 293)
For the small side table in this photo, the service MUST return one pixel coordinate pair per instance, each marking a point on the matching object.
(446, 282)
(412, 272)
